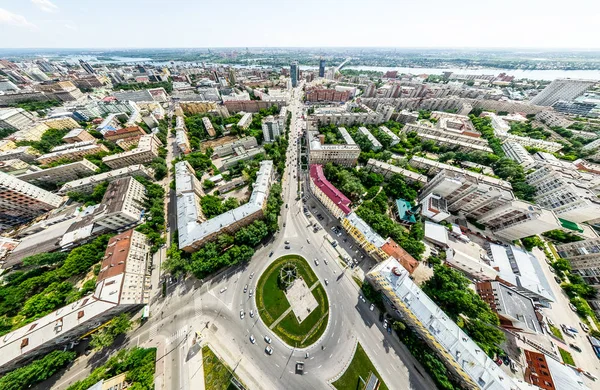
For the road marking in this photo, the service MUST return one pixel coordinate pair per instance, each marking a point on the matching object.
(339, 340)
(320, 366)
(375, 353)
(277, 365)
(394, 368)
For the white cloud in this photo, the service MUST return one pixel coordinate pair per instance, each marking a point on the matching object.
(71, 26)
(7, 17)
(45, 5)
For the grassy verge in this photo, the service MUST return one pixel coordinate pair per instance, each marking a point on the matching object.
(217, 376)
(272, 303)
(556, 332)
(566, 356)
(361, 366)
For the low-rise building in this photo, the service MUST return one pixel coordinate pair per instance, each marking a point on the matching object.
(23, 153)
(243, 155)
(77, 135)
(547, 373)
(388, 170)
(32, 133)
(123, 285)
(126, 132)
(389, 133)
(59, 174)
(375, 144)
(434, 207)
(122, 205)
(193, 233)
(335, 201)
(145, 152)
(76, 151)
(87, 185)
(7, 144)
(245, 121)
(229, 148)
(182, 141)
(230, 185)
(62, 123)
(553, 119)
(15, 119)
(346, 136)
(466, 362)
(209, 127)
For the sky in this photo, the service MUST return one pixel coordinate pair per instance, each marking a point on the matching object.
(569, 24)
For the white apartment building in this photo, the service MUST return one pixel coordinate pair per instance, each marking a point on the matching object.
(569, 198)
(16, 119)
(470, 195)
(20, 202)
(182, 141)
(241, 155)
(60, 174)
(553, 119)
(386, 111)
(123, 285)
(517, 152)
(194, 232)
(346, 136)
(389, 170)
(388, 132)
(518, 219)
(549, 146)
(271, 128)
(145, 152)
(87, 185)
(434, 207)
(122, 205)
(346, 155)
(375, 144)
(584, 257)
(562, 89)
(209, 127)
(245, 121)
(72, 152)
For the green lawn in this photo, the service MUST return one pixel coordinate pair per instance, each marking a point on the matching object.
(360, 366)
(556, 332)
(217, 375)
(272, 303)
(566, 356)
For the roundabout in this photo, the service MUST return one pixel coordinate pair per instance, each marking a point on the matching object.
(292, 302)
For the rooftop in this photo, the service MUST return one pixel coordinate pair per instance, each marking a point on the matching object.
(405, 211)
(366, 230)
(318, 178)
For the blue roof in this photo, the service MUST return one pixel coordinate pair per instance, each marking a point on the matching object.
(405, 211)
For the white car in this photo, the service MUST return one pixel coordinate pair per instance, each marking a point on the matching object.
(572, 307)
(269, 350)
(251, 313)
(267, 339)
(590, 375)
(385, 324)
(326, 282)
(362, 298)
(584, 327)
(325, 260)
(223, 290)
(252, 339)
(372, 307)
(316, 262)
(241, 314)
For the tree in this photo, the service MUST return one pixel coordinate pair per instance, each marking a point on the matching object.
(37, 371)
(207, 184)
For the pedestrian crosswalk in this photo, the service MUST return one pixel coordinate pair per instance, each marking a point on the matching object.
(176, 336)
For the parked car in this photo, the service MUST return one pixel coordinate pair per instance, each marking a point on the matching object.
(326, 282)
(584, 327)
(245, 288)
(252, 339)
(287, 242)
(372, 307)
(385, 324)
(251, 275)
(316, 262)
(251, 313)
(287, 247)
(223, 290)
(557, 280)
(572, 307)
(241, 314)
(325, 261)
(251, 292)
(575, 347)
(590, 375)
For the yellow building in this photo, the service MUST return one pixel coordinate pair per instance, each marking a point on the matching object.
(6, 145)
(364, 236)
(61, 123)
(190, 108)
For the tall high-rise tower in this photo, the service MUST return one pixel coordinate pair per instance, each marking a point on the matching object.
(294, 73)
(87, 67)
(321, 68)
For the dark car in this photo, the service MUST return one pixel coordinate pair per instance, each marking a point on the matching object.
(271, 254)
(287, 247)
(557, 280)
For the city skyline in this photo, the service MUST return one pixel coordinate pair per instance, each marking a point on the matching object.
(135, 24)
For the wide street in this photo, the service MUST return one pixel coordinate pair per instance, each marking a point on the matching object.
(212, 308)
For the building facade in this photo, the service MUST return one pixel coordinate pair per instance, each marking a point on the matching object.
(146, 151)
(335, 201)
(562, 89)
(122, 205)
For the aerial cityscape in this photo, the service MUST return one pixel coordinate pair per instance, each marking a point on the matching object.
(254, 205)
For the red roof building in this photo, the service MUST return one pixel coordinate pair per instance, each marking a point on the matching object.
(397, 252)
(336, 202)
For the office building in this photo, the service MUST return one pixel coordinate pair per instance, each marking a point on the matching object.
(319, 153)
(321, 68)
(294, 73)
(466, 362)
(59, 174)
(517, 219)
(229, 148)
(584, 257)
(145, 152)
(87, 184)
(194, 232)
(245, 121)
(209, 127)
(335, 201)
(15, 119)
(20, 202)
(562, 89)
(271, 128)
(375, 145)
(389, 170)
(123, 285)
(568, 197)
(77, 135)
(517, 152)
(122, 205)
(72, 152)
